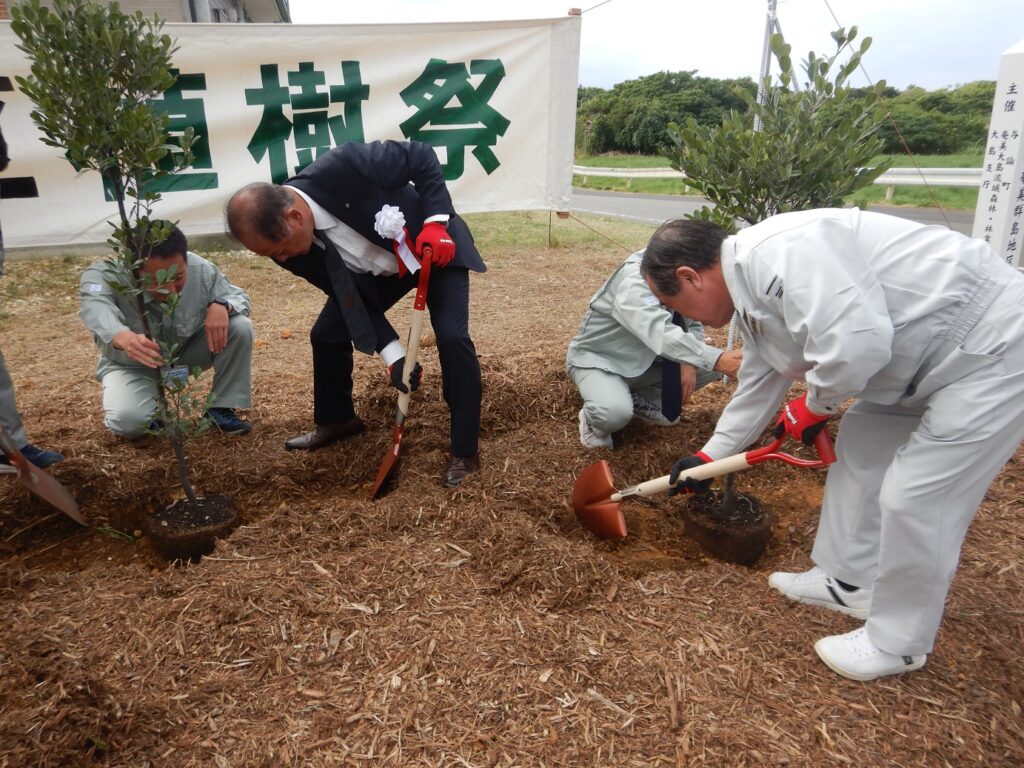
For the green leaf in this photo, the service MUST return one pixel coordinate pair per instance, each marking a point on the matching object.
(810, 149)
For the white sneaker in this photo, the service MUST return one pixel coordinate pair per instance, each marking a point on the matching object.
(593, 438)
(853, 655)
(648, 411)
(815, 587)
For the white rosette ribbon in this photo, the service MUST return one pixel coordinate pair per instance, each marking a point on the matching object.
(389, 222)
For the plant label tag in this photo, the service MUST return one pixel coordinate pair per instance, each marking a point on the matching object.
(177, 375)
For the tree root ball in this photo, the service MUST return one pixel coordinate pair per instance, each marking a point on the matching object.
(181, 532)
(739, 536)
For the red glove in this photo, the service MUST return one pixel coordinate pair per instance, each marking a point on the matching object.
(435, 234)
(799, 422)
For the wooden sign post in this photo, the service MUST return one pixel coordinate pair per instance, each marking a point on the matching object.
(999, 217)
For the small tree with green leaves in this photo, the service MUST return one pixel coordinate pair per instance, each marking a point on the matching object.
(812, 151)
(94, 73)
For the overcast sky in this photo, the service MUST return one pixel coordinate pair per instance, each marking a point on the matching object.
(930, 43)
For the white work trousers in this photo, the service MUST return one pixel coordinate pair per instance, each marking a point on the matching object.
(129, 392)
(910, 477)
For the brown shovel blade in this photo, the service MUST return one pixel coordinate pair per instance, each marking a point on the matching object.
(389, 465)
(591, 499)
(44, 486)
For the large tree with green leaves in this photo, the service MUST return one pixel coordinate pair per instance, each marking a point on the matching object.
(95, 72)
(813, 149)
(631, 117)
(939, 122)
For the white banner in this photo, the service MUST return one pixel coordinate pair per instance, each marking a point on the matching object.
(497, 100)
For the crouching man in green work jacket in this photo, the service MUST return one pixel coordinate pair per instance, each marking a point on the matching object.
(211, 322)
(632, 356)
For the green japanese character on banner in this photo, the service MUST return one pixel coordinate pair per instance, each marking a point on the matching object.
(432, 92)
(181, 113)
(12, 186)
(185, 113)
(315, 132)
(274, 128)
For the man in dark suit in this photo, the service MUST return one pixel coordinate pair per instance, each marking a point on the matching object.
(319, 225)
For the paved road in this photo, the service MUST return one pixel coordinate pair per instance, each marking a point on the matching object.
(658, 208)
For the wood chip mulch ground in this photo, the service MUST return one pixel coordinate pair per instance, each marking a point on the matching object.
(476, 627)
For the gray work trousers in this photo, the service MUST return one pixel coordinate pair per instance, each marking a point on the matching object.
(909, 477)
(129, 391)
(10, 419)
(608, 397)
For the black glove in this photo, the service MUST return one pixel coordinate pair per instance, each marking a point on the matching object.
(395, 371)
(689, 485)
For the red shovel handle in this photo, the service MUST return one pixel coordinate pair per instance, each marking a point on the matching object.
(822, 443)
(825, 447)
(421, 288)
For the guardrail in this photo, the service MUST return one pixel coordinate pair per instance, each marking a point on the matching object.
(627, 173)
(935, 177)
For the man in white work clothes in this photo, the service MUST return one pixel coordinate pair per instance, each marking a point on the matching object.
(925, 328)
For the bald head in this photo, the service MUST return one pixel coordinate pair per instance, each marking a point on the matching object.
(259, 209)
(271, 220)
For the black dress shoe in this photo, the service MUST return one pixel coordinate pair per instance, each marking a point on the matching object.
(459, 467)
(325, 434)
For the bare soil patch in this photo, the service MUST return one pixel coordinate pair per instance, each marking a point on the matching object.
(738, 533)
(182, 532)
(476, 627)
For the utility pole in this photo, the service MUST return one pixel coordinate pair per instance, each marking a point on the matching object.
(771, 25)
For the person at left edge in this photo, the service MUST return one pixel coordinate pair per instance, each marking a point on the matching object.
(211, 322)
(10, 419)
(327, 212)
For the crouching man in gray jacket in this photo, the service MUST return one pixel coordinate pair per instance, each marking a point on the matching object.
(211, 323)
(634, 357)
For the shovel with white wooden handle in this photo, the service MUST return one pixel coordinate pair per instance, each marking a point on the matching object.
(389, 465)
(598, 505)
(390, 223)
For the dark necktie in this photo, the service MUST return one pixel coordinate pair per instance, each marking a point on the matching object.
(345, 291)
(671, 386)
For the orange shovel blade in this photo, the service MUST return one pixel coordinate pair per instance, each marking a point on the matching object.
(388, 465)
(591, 500)
(44, 486)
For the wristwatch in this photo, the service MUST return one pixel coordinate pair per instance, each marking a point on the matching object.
(224, 303)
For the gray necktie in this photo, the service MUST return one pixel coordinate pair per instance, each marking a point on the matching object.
(345, 291)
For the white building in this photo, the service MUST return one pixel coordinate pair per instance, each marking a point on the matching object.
(201, 11)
